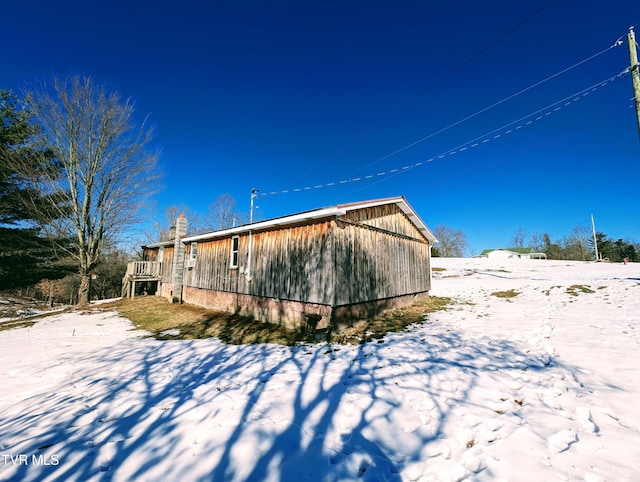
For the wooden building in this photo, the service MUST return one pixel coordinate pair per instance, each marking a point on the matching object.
(320, 268)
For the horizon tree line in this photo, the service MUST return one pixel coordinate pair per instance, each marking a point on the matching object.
(579, 246)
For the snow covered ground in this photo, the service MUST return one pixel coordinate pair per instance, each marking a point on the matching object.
(541, 386)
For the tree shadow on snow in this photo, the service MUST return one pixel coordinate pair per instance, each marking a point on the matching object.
(202, 410)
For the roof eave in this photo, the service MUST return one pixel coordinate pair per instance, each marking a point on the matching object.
(159, 244)
(283, 221)
(332, 211)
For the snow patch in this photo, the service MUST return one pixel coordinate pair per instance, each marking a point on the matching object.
(542, 387)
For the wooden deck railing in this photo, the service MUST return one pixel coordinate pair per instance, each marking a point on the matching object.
(144, 269)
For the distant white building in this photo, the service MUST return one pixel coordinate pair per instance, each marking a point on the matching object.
(512, 253)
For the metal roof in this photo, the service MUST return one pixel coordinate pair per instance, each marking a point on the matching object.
(159, 244)
(331, 211)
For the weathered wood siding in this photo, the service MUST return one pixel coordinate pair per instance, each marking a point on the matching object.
(295, 263)
(149, 254)
(373, 263)
(388, 217)
(289, 263)
(213, 270)
(368, 255)
(167, 264)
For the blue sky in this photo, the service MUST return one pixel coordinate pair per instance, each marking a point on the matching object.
(290, 95)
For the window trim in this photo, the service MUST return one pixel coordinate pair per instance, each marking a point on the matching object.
(193, 254)
(234, 258)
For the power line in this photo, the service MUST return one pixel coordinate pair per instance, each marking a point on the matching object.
(460, 67)
(485, 109)
(513, 126)
(490, 136)
(489, 46)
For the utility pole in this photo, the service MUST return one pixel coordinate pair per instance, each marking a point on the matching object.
(635, 75)
(595, 240)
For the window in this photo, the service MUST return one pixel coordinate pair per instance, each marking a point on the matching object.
(192, 254)
(161, 254)
(234, 252)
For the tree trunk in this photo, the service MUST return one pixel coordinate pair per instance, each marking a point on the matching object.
(83, 290)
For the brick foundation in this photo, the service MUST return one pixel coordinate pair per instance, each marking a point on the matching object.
(164, 290)
(291, 314)
(343, 316)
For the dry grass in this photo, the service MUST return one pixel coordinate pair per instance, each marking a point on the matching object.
(390, 321)
(575, 290)
(505, 294)
(28, 321)
(9, 325)
(157, 316)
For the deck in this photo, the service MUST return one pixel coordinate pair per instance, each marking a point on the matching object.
(140, 271)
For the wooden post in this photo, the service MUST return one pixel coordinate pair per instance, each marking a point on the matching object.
(635, 75)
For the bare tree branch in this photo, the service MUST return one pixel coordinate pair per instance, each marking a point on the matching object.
(451, 242)
(106, 166)
(223, 214)
(519, 239)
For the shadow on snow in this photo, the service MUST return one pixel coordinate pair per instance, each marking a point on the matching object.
(201, 410)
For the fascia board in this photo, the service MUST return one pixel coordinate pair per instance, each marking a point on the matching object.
(284, 221)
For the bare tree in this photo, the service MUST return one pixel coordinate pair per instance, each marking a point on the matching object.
(452, 243)
(577, 244)
(164, 221)
(519, 239)
(223, 214)
(536, 242)
(106, 167)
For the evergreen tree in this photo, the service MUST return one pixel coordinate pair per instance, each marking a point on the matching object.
(631, 253)
(14, 131)
(606, 247)
(25, 255)
(624, 249)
